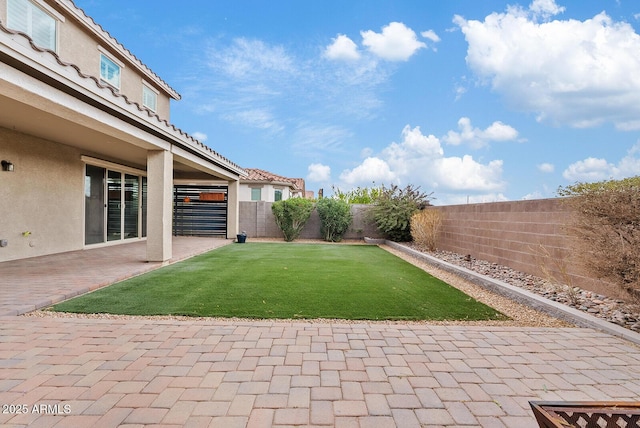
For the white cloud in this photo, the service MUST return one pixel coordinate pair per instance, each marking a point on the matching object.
(246, 58)
(533, 195)
(431, 35)
(318, 172)
(397, 42)
(545, 8)
(476, 137)
(200, 136)
(467, 174)
(256, 118)
(342, 48)
(317, 140)
(568, 72)
(248, 77)
(372, 169)
(597, 169)
(590, 169)
(546, 167)
(419, 159)
(366, 152)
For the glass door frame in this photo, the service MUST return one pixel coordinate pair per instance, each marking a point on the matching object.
(112, 169)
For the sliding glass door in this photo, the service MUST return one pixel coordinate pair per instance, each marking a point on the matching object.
(114, 205)
(131, 206)
(94, 185)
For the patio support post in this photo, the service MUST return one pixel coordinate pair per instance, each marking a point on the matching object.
(233, 209)
(159, 205)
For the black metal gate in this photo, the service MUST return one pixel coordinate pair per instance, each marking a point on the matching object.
(200, 210)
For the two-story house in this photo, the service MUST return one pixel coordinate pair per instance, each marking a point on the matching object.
(89, 157)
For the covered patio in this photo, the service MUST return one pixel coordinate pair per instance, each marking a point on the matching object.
(37, 282)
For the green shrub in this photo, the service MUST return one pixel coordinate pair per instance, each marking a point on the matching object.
(393, 208)
(606, 222)
(335, 218)
(425, 226)
(291, 215)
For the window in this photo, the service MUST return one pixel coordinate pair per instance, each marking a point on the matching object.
(256, 194)
(149, 98)
(22, 15)
(109, 71)
(277, 195)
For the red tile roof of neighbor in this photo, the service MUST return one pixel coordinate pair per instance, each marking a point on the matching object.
(260, 175)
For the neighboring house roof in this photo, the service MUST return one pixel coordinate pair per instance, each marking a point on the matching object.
(176, 135)
(262, 176)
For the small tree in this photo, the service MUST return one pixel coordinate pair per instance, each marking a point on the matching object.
(335, 218)
(425, 226)
(291, 215)
(359, 195)
(393, 208)
(606, 222)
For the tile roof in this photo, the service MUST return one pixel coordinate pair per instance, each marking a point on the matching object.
(260, 175)
(116, 94)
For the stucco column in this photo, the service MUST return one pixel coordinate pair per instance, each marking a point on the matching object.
(159, 205)
(233, 208)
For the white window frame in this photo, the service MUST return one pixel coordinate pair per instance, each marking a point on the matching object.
(147, 90)
(45, 11)
(113, 61)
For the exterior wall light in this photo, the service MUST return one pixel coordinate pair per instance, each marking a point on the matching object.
(7, 166)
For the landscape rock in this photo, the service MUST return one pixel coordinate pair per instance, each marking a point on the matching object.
(614, 310)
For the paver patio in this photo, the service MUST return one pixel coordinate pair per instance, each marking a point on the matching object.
(227, 373)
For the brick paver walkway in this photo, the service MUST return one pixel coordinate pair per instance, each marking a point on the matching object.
(76, 372)
(29, 284)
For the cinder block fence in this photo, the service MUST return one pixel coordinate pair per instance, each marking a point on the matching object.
(258, 221)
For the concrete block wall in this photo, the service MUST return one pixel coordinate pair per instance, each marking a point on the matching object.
(528, 236)
(258, 221)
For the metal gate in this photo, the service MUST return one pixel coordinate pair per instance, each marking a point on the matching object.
(200, 210)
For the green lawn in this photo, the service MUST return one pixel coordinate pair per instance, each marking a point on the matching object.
(287, 280)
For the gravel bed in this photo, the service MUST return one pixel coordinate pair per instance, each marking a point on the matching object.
(613, 310)
(521, 315)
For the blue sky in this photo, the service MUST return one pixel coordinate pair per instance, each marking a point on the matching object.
(475, 101)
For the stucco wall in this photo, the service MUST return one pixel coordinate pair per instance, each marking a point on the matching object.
(258, 221)
(43, 195)
(76, 46)
(267, 191)
(528, 236)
